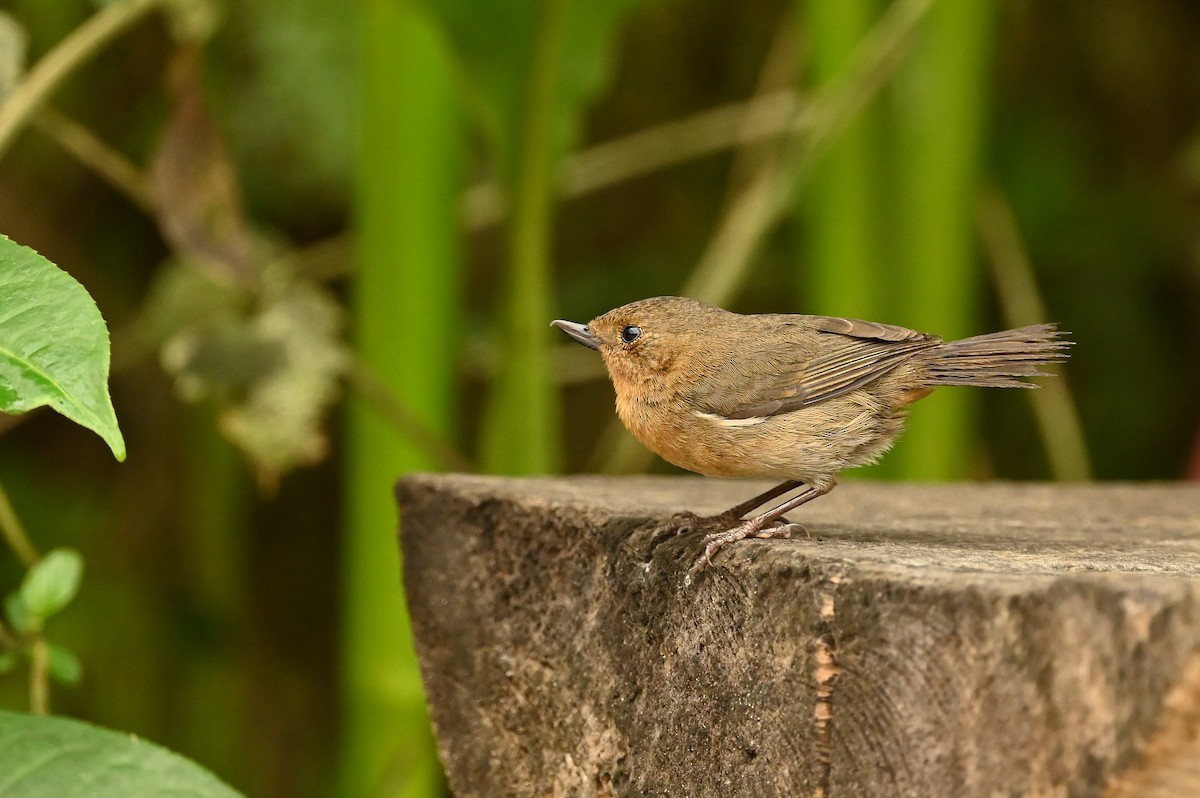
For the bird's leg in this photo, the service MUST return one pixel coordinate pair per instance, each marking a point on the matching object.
(688, 521)
(762, 525)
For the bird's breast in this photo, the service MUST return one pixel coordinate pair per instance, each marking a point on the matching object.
(700, 442)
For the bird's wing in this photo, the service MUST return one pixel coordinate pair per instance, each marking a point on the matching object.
(870, 330)
(847, 354)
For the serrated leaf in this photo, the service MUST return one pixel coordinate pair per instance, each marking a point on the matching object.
(64, 666)
(47, 757)
(52, 582)
(19, 616)
(53, 344)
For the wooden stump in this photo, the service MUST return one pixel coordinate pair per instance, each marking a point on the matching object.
(951, 640)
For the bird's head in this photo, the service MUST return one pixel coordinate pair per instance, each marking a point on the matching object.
(645, 341)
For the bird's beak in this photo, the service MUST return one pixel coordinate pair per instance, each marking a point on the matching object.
(579, 332)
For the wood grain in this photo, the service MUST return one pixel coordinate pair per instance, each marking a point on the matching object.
(951, 640)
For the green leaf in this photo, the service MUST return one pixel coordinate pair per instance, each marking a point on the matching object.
(8, 662)
(19, 616)
(65, 667)
(53, 344)
(52, 582)
(46, 757)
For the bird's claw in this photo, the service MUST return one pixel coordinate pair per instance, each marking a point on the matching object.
(685, 522)
(716, 541)
(782, 529)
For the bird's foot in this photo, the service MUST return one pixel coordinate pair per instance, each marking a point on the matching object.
(686, 522)
(747, 529)
(683, 523)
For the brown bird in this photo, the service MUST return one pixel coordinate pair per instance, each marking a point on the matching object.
(785, 396)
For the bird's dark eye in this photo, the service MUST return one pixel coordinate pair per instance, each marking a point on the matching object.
(631, 333)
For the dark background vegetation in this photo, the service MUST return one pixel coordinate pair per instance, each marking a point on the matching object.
(1019, 161)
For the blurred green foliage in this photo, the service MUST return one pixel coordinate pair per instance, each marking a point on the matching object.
(408, 332)
(424, 167)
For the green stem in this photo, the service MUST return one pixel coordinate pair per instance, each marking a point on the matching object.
(39, 676)
(940, 102)
(14, 532)
(1021, 303)
(407, 331)
(843, 262)
(103, 160)
(68, 55)
(843, 259)
(522, 432)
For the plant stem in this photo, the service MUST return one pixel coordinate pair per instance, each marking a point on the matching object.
(39, 676)
(68, 55)
(14, 532)
(22, 546)
(842, 261)
(406, 313)
(758, 119)
(521, 427)
(88, 149)
(763, 117)
(940, 106)
(1021, 303)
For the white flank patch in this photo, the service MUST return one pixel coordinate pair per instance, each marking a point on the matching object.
(730, 422)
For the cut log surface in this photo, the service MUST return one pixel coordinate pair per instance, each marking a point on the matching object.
(950, 640)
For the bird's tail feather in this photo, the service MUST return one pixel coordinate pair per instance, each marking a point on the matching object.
(999, 359)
